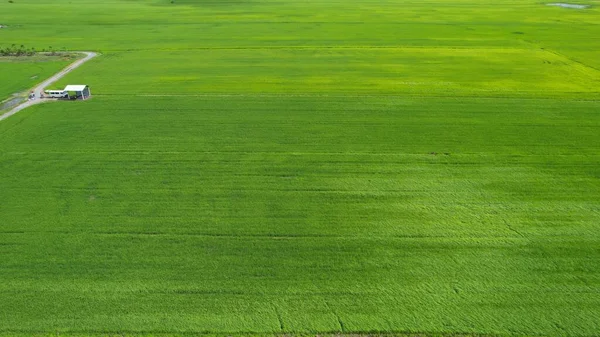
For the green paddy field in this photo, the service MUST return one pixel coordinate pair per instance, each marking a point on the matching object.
(261, 167)
(21, 73)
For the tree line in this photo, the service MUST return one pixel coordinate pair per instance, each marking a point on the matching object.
(16, 50)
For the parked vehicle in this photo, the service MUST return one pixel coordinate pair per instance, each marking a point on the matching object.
(56, 93)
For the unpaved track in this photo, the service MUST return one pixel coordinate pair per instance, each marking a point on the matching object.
(40, 87)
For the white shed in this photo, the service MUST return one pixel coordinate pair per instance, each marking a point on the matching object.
(76, 91)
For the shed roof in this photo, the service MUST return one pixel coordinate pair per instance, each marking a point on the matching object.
(75, 87)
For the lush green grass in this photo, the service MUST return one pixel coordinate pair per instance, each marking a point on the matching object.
(422, 71)
(163, 334)
(280, 166)
(220, 215)
(22, 73)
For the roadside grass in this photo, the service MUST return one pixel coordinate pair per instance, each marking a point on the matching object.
(22, 73)
(41, 57)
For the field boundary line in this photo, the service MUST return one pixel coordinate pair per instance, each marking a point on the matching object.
(575, 96)
(311, 47)
(37, 90)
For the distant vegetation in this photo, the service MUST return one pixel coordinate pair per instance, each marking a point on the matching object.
(22, 50)
(15, 50)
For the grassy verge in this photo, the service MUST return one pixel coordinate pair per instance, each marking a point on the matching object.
(25, 72)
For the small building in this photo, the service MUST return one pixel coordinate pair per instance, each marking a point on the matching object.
(76, 91)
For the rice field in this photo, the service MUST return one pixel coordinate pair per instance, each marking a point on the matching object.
(275, 167)
(22, 73)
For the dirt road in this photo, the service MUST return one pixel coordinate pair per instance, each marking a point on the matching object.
(40, 87)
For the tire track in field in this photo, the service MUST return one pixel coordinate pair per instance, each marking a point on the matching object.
(37, 90)
(281, 236)
(578, 97)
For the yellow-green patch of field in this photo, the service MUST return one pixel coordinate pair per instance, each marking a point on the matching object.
(349, 70)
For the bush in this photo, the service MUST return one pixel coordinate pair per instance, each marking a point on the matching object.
(15, 50)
